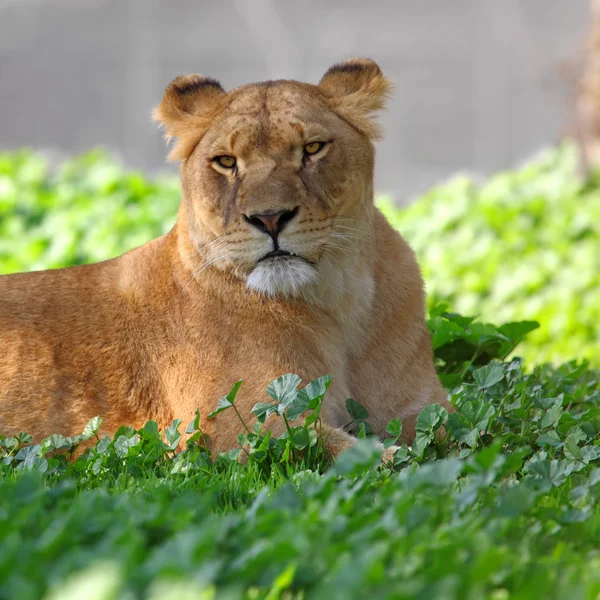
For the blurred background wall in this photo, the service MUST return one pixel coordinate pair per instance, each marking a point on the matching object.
(479, 85)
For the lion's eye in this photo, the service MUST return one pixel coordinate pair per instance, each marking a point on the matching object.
(313, 148)
(227, 162)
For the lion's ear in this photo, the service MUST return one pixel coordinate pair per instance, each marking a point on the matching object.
(187, 108)
(356, 89)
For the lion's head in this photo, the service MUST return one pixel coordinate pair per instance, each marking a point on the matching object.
(275, 175)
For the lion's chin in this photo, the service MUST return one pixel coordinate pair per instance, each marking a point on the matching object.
(282, 276)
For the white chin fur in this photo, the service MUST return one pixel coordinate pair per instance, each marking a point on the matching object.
(281, 276)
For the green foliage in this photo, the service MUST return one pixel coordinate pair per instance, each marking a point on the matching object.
(299, 443)
(498, 499)
(89, 210)
(462, 343)
(524, 245)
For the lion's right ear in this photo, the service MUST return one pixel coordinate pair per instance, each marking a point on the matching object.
(186, 110)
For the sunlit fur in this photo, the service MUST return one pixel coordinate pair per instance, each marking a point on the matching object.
(169, 327)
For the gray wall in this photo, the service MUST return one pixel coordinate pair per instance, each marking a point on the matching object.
(478, 86)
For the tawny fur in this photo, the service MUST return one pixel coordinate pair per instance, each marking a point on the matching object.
(170, 326)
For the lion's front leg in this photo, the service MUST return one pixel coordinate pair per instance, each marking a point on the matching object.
(396, 379)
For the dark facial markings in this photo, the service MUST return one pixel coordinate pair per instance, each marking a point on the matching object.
(349, 68)
(311, 189)
(232, 139)
(298, 128)
(264, 118)
(229, 191)
(195, 85)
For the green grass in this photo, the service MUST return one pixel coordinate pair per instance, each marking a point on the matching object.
(498, 500)
(503, 505)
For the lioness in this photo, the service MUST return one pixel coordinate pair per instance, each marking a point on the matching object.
(279, 262)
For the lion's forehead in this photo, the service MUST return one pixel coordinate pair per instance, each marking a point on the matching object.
(276, 96)
(278, 115)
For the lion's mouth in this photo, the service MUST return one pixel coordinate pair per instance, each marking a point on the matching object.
(278, 254)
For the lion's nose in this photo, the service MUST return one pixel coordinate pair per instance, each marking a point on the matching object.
(271, 222)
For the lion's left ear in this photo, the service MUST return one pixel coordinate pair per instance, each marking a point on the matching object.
(356, 89)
